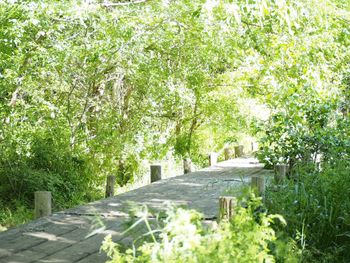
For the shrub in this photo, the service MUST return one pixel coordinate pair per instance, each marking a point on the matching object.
(316, 208)
(305, 130)
(48, 165)
(12, 216)
(248, 237)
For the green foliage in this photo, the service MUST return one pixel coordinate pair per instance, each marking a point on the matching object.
(316, 208)
(248, 237)
(13, 216)
(88, 90)
(302, 130)
(35, 158)
(306, 83)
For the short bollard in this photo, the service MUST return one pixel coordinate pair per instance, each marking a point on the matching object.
(110, 186)
(280, 172)
(258, 183)
(42, 203)
(213, 158)
(239, 151)
(156, 173)
(227, 206)
(187, 165)
(228, 153)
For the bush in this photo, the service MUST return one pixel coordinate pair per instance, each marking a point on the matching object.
(304, 131)
(248, 237)
(316, 208)
(48, 165)
(12, 216)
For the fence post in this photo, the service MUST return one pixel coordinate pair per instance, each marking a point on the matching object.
(227, 206)
(258, 183)
(42, 203)
(213, 158)
(156, 173)
(228, 153)
(239, 151)
(187, 165)
(280, 172)
(110, 186)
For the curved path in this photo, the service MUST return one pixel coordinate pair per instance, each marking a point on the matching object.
(75, 235)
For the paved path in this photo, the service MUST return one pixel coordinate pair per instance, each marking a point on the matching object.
(75, 235)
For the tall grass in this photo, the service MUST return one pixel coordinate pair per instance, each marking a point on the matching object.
(316, 206)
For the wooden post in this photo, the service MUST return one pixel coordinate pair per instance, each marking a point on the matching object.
(213, 158)
(239, 151)
(187, 165)
(156, 173)
(110, 186)
(42, 203)
(227, 206)
(258, 183)
(280, 172)
(228, 153)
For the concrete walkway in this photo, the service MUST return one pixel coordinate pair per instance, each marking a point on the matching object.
(75, 235)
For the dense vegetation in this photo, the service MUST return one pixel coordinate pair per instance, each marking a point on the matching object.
(248, 237)
(316, 208)
(89, 89)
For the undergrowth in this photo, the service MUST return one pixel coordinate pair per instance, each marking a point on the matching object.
(14, 215)
(316, 206)
(183, 237)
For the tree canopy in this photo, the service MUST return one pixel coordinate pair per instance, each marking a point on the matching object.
(89, 88)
